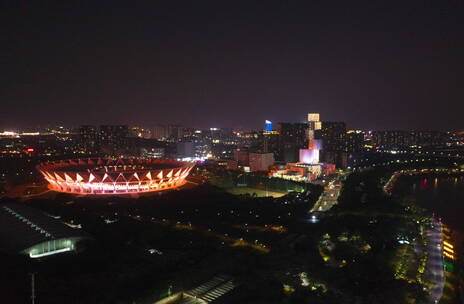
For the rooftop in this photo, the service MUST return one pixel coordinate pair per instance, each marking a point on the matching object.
(22, 228)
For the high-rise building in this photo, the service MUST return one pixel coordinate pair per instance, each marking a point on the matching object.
(314, 124)
(175, 132)
(311, 154)
(160, 132)
(268, 126)
(409, 139)
(269, 139)
(113, 138)
(271, 143)
(337, 142)
(168, 132)
(88, 138)
(249, 140)
(332, 135)
(354, 141)
(292, 138)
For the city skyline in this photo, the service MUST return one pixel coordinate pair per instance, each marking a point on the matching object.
(374, 66)
(219, 152)
(32, 129)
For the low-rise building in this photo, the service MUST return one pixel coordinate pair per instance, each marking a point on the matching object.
(29, 231)
(261, 161)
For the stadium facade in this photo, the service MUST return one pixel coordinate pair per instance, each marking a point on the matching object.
(106, 176)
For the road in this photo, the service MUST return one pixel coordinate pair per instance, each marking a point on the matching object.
(435, 270)
(330, 195)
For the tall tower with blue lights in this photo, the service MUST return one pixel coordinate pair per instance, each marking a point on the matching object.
(268, 126)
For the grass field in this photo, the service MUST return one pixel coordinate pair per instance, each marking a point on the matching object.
(259, 192)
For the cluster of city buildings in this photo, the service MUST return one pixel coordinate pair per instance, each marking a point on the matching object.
(294, 150)
(291, 151)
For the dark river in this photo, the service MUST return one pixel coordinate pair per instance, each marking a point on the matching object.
(442, 195)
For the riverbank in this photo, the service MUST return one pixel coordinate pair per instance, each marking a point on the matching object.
(394, 178)
(441, 193)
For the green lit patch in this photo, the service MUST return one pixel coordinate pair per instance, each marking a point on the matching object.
(449, 267)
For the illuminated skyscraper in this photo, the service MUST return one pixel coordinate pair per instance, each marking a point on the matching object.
(314, 124)
(268, 126)
(311, 155)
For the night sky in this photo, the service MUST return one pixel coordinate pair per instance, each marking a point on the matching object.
(372, 64)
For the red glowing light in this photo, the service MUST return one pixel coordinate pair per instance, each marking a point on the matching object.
(30, 150)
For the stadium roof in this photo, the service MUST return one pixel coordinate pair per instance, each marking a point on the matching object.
(22, 228)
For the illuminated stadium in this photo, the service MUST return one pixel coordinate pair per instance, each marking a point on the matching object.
(100, 176)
